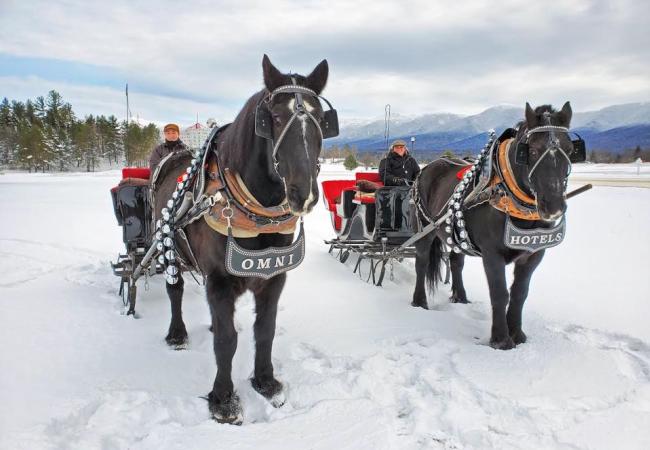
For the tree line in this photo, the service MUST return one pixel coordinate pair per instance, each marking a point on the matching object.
(353, 158)
(44, 134)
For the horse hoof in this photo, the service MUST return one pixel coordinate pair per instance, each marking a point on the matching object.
(420, 304)
(504, 344)
(176, 337)
(227, 410)
(518, 336)
(457, 299)
(272, 390)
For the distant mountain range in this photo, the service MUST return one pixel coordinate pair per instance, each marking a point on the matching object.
(614, 128)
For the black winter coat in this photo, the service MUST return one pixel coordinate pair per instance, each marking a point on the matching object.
(164, 149)
(396, 170)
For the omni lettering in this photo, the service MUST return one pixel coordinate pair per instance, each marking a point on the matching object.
(267, 263)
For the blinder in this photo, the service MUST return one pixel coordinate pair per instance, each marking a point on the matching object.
(330, 124)
(263, 121)
(579, 153)
(521, 155)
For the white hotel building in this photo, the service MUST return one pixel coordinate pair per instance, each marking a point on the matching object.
(195, 135)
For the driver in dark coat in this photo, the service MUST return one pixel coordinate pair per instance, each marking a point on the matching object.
(398, 168)
(172, 144)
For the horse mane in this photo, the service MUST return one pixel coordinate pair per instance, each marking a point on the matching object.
(545, 108)
(237, 138)
(539, 111)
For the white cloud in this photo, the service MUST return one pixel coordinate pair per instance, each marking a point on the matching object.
(103, 100)
(420, 56)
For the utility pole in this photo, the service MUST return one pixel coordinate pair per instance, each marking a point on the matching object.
(127, 106)
(126, 131)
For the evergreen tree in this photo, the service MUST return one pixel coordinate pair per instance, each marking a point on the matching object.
(44, 134)
(7, 134)
(350, 162)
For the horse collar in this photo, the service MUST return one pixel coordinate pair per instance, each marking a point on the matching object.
(246, 216)
(506, 172)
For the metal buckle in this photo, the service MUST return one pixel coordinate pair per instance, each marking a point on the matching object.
(227, 208)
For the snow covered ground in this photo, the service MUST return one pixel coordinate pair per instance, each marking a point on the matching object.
(362, 368)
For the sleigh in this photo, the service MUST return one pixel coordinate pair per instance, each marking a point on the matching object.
(373, 226)
(133, 211)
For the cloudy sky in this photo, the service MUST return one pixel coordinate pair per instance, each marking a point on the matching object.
(461, 56)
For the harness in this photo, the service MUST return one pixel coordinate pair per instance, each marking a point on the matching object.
(491, 179)
(227, 205)
(505, 194)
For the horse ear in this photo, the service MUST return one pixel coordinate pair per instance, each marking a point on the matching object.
(317, 80)
(531, 117)
(273, 78)
(565, 114)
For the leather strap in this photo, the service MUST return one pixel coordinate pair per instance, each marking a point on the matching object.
(243, 225)
(246, 199)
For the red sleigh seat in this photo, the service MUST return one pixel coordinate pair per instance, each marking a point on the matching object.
(133, 175)
(333, 192)
(143, 173)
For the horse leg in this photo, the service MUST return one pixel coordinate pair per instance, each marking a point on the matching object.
(222, 400)
(266, 310)
(177, 334)
(495, 270)
(524, 268)
(458, 294)
(422, 255)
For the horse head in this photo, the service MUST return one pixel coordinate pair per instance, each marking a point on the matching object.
(295, 125)
(548, 145)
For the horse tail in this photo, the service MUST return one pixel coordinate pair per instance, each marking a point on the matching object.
(432, 274)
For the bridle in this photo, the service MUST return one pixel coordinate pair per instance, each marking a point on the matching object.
(264, 120)
(577, 154)
(553, 145)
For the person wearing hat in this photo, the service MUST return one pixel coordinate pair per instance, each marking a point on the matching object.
(398, 168)
(172, 144)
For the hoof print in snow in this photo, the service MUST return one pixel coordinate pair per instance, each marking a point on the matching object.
(504, 344)
(272, 390)
(227, 410)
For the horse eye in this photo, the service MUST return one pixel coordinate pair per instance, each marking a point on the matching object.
(276, 117)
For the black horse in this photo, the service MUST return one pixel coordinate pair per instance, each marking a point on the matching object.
(548, 151)
(243, 152)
